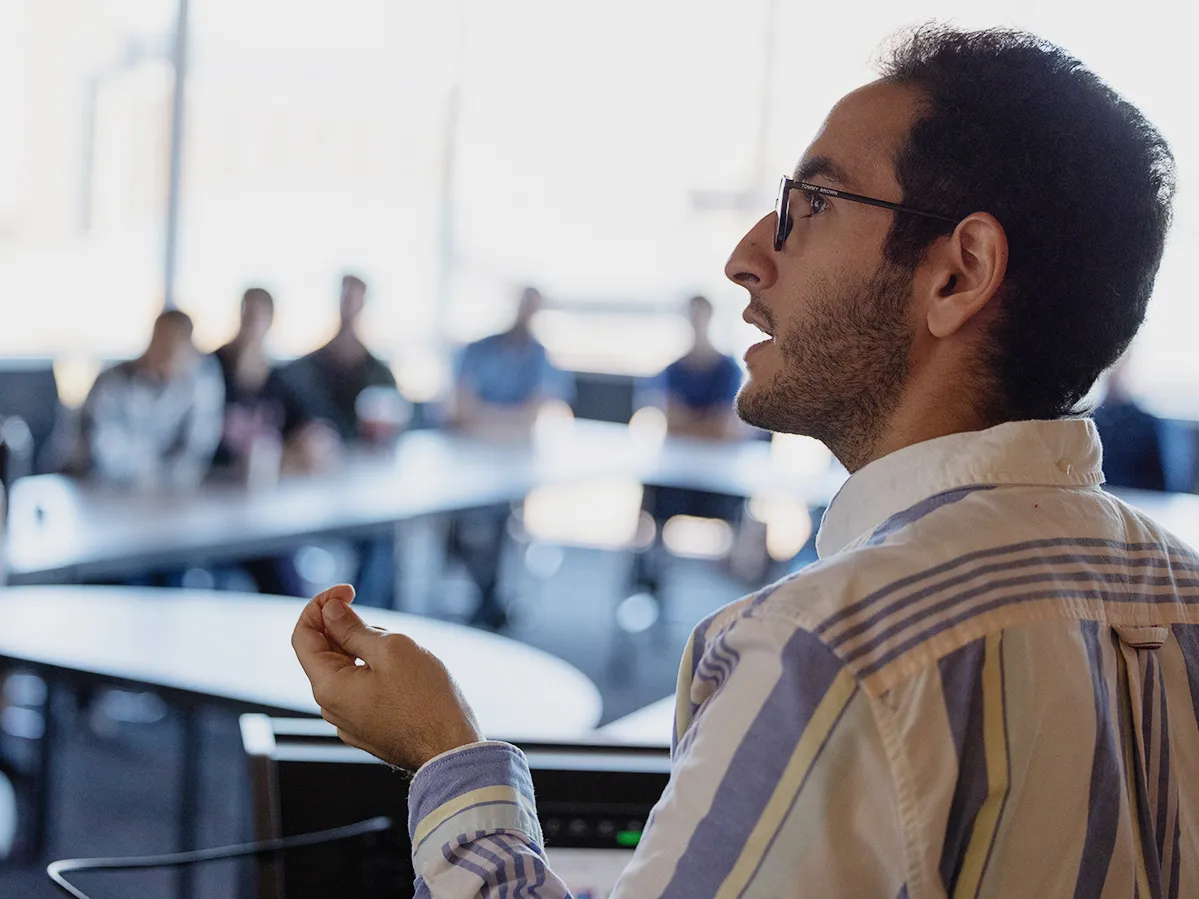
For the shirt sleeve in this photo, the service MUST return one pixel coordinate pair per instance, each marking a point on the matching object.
(474, 829)
(780, 779)
(555, 383)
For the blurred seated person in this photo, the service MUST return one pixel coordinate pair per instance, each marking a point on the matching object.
(324, 399)
(253, 411)
(697, 392)
(320, 392)
(500, 385)
(698, 388)
(1134, 440)
(502, 380)
(154, 421)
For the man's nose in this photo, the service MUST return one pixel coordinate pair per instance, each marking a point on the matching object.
(752, 263)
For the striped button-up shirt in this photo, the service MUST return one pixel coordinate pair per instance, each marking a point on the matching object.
(988, 686)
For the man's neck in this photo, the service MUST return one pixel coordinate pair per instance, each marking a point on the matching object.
(930, 407)
(244, 343)
(148, 370)
(347, 345)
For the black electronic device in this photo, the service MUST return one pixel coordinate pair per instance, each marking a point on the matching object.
(593, 801)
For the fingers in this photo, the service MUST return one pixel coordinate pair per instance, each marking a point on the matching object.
(343, 592)
(348, 631)
(317, 655)
(309, 633)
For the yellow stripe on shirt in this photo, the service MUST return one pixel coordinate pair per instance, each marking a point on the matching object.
(682, 693)
(444, 812)
(824, 719)
(986, 824)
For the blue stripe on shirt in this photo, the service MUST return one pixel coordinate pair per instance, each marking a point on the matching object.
(962, 686)
(901, 520)
(1103, 806)
(809, 669)
(1049, 571)
(1118, 597)
(459, 773)
(852, 610)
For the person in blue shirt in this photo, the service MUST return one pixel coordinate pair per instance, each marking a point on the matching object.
(502, 380)
(1140, 450)
(701, 385)
(697, 392)
(500, 384)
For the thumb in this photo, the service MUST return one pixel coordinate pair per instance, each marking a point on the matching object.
(347, 630)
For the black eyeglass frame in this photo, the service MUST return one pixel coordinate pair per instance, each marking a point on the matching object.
(782, 205)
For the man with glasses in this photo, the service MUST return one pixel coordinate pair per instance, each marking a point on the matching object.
(989, 684)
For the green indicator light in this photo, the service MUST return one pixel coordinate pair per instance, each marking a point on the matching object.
(628, 838)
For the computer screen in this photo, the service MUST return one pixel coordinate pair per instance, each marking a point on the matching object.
(593, 802)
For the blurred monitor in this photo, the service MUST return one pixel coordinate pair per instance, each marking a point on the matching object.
(593, 801)
(604, 397)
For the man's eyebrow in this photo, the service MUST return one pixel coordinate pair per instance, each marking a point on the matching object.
(823, 166)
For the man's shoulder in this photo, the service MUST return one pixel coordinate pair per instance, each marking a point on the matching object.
(485, 344)
(116, 376)
(921, 586)
(378, 370)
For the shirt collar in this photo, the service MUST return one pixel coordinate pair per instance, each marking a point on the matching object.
(1064, 453)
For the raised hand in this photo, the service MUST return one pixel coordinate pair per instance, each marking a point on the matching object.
(383, 692)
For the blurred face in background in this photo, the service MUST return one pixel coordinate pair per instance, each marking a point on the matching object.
(171, 353)
(836, 312)
(699, 313)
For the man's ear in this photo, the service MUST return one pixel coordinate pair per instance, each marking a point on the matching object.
(968, 269)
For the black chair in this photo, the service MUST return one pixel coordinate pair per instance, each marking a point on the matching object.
(604, 397)
(29, 391)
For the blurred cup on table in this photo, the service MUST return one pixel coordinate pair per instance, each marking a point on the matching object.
(382, 415)
(315, 448)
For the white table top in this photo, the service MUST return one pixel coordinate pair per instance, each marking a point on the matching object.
(61, 530)
(237, 648)
(649, 726)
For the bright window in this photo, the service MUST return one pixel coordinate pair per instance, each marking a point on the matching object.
(449, 153)
(84, 98)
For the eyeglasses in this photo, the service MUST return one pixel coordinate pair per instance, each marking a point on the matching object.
(786, 185)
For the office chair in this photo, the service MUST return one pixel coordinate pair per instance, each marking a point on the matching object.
(29, 390)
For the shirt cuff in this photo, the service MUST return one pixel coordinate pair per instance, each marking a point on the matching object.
(470, 792)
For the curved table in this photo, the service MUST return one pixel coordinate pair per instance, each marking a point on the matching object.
(235, 648)
(201, 648)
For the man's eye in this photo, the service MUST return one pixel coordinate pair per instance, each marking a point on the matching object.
(816, 203)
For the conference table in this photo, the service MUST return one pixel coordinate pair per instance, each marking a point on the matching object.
(65, 531)
(199, 649)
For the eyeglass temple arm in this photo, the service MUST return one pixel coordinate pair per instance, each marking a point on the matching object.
(871, 201)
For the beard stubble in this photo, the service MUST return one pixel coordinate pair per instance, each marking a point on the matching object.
(844, 366)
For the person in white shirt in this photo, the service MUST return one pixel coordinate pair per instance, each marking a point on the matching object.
(988, 686)
(154, 421)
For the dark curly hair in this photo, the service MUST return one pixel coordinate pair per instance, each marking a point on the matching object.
(1081, 182)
